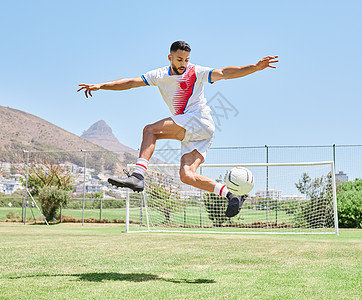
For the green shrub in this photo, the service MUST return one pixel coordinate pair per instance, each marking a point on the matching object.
(50, 199)
(12, 216)
(349, 203)
(74, 204)
(318, 192)
(109, 204)
(15, 202)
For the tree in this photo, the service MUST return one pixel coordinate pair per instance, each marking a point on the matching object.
(349, 203)
(44, 173)
(318, 193)
(51, 198)
(50, 182)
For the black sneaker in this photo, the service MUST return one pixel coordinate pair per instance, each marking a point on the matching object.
(235, 203)
(134, 182)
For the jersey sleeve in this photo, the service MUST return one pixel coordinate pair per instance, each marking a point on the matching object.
(203, 74)
(152, 77)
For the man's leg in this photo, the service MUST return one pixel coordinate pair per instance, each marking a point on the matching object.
(168, 129)
(164, 129)
(188, 174)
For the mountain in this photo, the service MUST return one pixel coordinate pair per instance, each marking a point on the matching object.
(101, 134)
(21, 131)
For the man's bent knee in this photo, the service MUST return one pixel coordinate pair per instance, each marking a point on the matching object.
(148, 129)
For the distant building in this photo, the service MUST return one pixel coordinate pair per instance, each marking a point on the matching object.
(90, 187)
(189, 194)
(8, 186)
(341, 177)
(292, 198)
(271, 194)
(5, 167)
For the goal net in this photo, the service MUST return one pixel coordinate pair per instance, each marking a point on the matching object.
(286, 198)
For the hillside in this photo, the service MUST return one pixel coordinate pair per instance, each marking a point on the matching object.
(23, 131)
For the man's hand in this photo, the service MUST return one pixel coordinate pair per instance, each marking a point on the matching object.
(88, 88)
(237, 72)
(266, 62)
(115, 85)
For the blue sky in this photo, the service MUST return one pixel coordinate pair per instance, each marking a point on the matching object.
(313, 97)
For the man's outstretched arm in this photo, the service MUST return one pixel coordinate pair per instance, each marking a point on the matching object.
(236, 72)
(115, 85)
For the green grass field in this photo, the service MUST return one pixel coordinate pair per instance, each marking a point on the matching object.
(68, 261)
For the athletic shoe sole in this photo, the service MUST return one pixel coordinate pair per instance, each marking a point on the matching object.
(124, 185)
(233, 208)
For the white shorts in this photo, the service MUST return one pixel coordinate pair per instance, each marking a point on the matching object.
(199, 133)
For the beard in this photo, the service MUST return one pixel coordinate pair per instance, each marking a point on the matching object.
(178, 71)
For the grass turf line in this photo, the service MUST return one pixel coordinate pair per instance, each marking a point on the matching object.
(99, 261)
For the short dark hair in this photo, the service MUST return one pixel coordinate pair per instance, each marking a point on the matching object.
(180, 45)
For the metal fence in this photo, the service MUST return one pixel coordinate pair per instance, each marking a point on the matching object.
(93, 198)
(347, 158)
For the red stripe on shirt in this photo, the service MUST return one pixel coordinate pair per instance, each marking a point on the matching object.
(184, 90)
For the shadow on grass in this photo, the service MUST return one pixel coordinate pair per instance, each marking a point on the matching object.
(133, 277)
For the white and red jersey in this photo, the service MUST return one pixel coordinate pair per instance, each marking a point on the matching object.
(182, 93)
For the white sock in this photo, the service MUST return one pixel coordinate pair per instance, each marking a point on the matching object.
(221, 189)
(141, 166)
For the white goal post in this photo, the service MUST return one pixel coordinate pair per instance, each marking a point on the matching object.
(295, 198)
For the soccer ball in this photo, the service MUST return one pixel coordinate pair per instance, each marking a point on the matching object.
(239, 181)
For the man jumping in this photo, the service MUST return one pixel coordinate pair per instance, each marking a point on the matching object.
(181, 86)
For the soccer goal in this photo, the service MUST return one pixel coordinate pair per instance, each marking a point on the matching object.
(287, 198)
